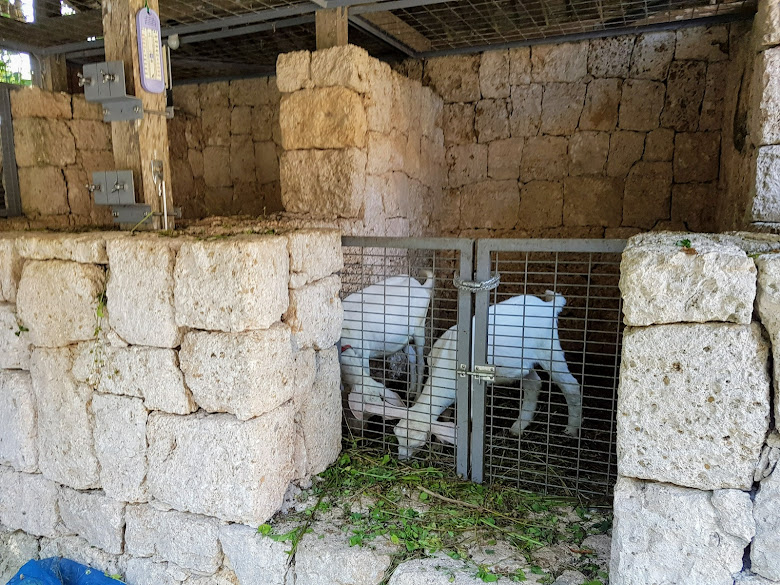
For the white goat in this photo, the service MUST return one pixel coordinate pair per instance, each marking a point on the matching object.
(522, 333)
(380, 320)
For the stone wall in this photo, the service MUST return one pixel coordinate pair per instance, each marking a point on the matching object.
(60, 141)
(225, 146)
(698, 490)
(362, 144)
(597, 138)
(159, 395)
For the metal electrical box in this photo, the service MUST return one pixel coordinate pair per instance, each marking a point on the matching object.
(113, 188)
(104, 82)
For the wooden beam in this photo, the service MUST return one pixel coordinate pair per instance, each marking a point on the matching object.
(137, 143)
(332, 25)
(50, 73)
(395, 27)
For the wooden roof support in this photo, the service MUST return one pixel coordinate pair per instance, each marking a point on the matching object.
(332, 26)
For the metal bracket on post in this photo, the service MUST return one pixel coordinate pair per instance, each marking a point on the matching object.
(104, 82)
(480, 373)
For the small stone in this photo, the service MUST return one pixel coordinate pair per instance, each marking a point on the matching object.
(696, 157)
(659, 145)
(315, 314)
(314, 254)
(661, 283)
(467, 164)
(189, 540)
(491, 120)
(602, 99)
(16, 548)
(293, 71)
(592, 201)
(520, 66)
(77, 549)
(232, 285)
(504, 158)
(562, 105)
(148, 572)
(588, 152)
(610, 57)
(625, 148)
(494, 74)
(544, 158)
(564, 62)
(254, 558)
(735, 513)
(18, 431)
(684, 93)
(458, 124)
(243, 374)
(456, 78)
(10, 269)
(652, 55)
(526, 114)
(29, 503)
(647, 194)
(502, 212)
(94, 517)
(765, 206)
(706, 44)
(641, 104)
(765, 549)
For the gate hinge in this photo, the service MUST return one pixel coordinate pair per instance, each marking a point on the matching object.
(481, 373)
(477, 285)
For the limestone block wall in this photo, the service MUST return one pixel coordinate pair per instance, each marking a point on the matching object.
(60, 141)
(600, 138)
(159, 395)
(697, 443)
(362, 144)
(225, 144)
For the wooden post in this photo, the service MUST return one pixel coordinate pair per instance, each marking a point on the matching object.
(137, 143)
(49, 73)
(332, 25)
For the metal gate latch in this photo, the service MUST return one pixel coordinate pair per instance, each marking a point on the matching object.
(481, 373)
(477, 285)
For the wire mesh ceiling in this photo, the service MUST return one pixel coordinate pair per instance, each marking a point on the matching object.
(232, 38)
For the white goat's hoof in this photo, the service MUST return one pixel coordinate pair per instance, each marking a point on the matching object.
(572, 431)
(516, 430)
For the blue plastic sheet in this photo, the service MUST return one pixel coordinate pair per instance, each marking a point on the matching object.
(58, 571)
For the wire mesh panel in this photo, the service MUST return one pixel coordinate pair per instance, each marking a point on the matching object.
(401, 314)
(552, 330)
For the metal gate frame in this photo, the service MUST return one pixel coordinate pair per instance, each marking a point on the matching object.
(465, 247)
(484, 248)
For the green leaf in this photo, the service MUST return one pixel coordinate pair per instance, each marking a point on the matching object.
(537, 570)
(424, 497)
(683, 243)
(265, 529)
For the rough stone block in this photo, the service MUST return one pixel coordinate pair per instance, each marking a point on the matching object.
(713, 105)
(245, 375)
(29, 503)
(42, 142)
(647, 195)
(692, 205)
(661, 283)
(91, 134)
(385, 152)
(346, 66)
(319, 561)
(87, 248)
(456, 78)
(520, 66)
(641, 104)
(94, 517)
(592, 201)
(703, 388)
(293, 71)
(562, 105)
(504, 158)
(668, 534)
(735, 513)
(431, 110)
(43, 191)
(684, 94)
(10, 269)
(66, 449)
(33, 102)
(265, 123)
(233, 285)
(765, 549)
(541, 205)
(659, 145)
(526, 114)
(500, 213)
(323, 183)
(602, 99)
(765, 98)
(242, 159)
(314, 254)
(588, 152)
(84, 110)
(315, 314)
(190, 541)
(766, 25)
(186, 98)
(249, 92)
(18, 432)
(266, 162)
(241, 120)
(768, 307)
(254, 558)
(58, 300)
(544, 158)
(765, 205)
(625, 148)
(215, 95)
(145, 571)
(564, 62)
(120, 443)
(190, 457)
(491, 120)
(16, 548)
(696, 157)
(15, 346)
(140, 291)
(467, 164)
(330, 117)
(216, 166)
(611, 56)
(458, 123)
(216, 126)
(79, 550)
(652, 55)
(703, 43)
(494, 74)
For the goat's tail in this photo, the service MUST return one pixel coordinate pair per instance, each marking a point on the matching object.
(428, 284)
(557, 299)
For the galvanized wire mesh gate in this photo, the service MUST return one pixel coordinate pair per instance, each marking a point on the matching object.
(521, 344)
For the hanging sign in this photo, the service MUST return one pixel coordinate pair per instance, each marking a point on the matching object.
(150, 50)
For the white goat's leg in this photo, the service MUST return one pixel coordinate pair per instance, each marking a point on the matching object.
(531, 386)
(414, 381)
(560, 374)
(419, 347)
